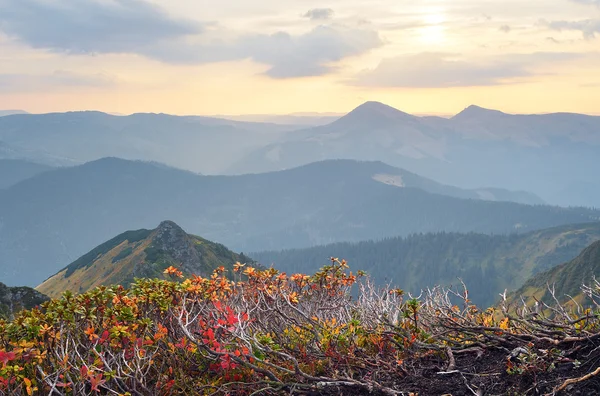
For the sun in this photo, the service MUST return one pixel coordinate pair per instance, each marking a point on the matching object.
(433, 31)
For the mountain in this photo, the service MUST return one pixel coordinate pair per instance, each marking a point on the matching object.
(488, 264)
(141, 254)
(299, 120)
(199, 144)
(14, 299)
(10, 152)
(566, 279)
(55, 217)
(13, 171)
(546, 154)
(11, 112)
(543, 154)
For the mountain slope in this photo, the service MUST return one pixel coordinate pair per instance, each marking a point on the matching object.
(14, 299)
(141, 254)
(55, 217)
(11, 152)
(566, 279)
(488, 264)
(14, 171)
(477, 147)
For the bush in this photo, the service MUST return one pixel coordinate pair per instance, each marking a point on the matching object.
(264, 332)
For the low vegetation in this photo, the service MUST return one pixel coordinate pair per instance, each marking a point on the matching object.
(256, 331)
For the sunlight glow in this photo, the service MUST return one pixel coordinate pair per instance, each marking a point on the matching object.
(434, 32)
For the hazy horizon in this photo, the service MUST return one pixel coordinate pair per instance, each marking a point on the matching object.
(255, 117)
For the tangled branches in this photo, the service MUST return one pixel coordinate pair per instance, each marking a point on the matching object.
(263, 332)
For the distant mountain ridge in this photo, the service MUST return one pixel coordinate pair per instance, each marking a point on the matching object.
(477, 147)
(141, 254)
(488, 264)
(53, 218)
(11, 112)
(195, 143)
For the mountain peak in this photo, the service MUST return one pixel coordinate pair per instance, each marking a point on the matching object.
(141, 254)
(378, 108)
(474, 111)
(372, 114)
(172, 239)
(169, 226)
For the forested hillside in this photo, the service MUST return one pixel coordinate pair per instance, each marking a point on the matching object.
(486, 263)
(572, 282)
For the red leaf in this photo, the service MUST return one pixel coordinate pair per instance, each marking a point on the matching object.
(104, 337)
(231, 319)
(210, 334)
(96, 381)
(6, 357)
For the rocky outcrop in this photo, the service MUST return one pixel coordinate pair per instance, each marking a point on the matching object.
(14, 299)
(175, 242)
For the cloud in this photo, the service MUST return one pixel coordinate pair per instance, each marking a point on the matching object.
(319, 14)
(438, 70)
(309, 54)
(91, 26)
(289, 56)
(138, 27)
(58, 79)
(505, 28)
(589, 27)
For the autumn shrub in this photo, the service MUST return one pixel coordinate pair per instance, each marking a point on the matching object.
(256, 331)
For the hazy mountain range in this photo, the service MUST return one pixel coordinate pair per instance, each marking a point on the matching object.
(550, 155)
(52, 218)
(545, 154)
(200, 144)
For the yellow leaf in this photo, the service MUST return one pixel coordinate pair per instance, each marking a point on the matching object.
(27, 382)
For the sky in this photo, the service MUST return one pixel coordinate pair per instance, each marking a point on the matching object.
(286, 56)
